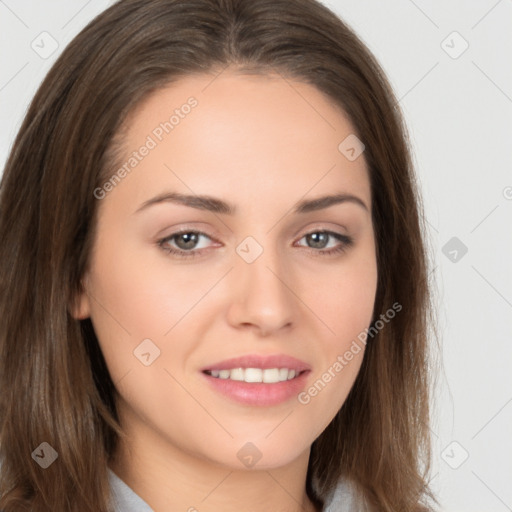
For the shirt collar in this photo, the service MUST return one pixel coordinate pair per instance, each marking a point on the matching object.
(125, 499)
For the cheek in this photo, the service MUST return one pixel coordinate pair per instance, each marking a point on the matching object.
(346, 307)
(344, 299)
(140, 289)
(139, 294)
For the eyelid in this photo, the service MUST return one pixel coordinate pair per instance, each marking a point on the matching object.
(197, 227)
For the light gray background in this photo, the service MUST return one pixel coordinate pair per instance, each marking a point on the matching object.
(458, 107)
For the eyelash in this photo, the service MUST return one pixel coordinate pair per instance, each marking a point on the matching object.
(346, 243)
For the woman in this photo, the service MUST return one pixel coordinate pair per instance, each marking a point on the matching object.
(214, 289)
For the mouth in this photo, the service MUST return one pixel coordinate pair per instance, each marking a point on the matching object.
(258, 380)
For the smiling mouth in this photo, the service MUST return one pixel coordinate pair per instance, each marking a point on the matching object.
(258, 375)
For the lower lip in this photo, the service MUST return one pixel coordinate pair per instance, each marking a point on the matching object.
(258, 393)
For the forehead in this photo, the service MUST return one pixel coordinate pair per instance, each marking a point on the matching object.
(271, 102)
(256, 134)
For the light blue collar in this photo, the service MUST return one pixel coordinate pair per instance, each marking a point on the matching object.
(125, 499)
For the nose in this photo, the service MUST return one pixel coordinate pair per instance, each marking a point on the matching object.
(262, 298)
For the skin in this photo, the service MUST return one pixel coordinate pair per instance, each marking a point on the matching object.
(261, 143)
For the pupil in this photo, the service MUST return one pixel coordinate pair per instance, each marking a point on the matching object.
(317, 240)
(190, 239)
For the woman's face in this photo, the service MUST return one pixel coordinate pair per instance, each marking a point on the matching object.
(263, 271)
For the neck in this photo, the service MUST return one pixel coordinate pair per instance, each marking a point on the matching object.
(170, 478)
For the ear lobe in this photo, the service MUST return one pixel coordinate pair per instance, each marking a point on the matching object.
(80, 307)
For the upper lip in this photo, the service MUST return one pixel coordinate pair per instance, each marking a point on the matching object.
(263, 362)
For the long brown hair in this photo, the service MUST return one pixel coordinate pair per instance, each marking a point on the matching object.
(54, 384)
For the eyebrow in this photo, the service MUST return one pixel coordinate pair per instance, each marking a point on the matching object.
(215, 205)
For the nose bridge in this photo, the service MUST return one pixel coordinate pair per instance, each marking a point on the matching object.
(261, 295)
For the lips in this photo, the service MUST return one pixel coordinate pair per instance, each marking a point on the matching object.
(258, 380)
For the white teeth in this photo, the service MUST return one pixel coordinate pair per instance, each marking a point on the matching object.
(252, 374)
(237, 374)
(268, 376)
(283, 374)
(271, 375)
